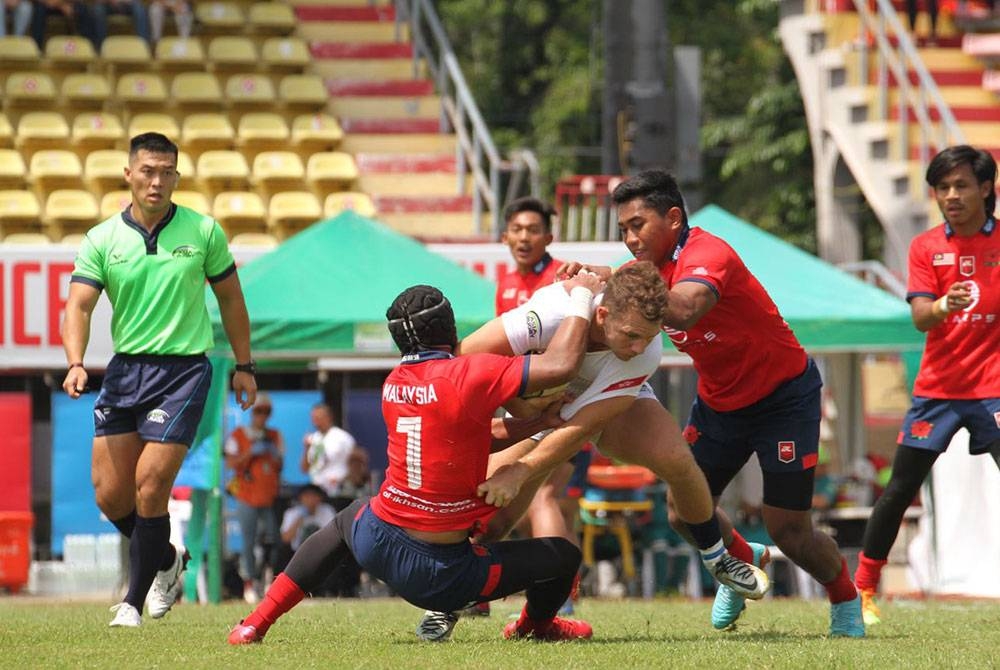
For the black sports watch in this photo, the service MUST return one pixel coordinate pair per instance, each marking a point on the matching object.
(250, 367)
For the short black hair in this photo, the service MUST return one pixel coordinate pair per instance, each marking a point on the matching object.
(154, 143)
(981, 162)
(421, 318)
(529, 204)
(311, 488)
(657, 188)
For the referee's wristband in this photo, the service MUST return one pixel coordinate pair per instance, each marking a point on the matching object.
(581, 301)
(940, 307)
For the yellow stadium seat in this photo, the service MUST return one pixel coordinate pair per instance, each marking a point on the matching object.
(41, 130)
(28, 91)
(186, 167)
(196, 92)
(265, 240)
(312, 133)
(69, 52)
(19, 212)
(222, 171)
(141, 92)
(261, 131)
(271, 18)
(219, 18)
(74, 240)
(195, 200)
(96, 130)
(331, 171)
(114, 202)
(34, 239)
(125, 53)
(227, 55)
(70, 211)
(240, 212)
(275, 171)
(13, 171)
(54, 169)
(285, 54)
(180, 54)
(83, 91)
(206, 131)
(6, 132)
(249, 92)
(18, 52)
(154, 122)
(302, 94)
(291, 211)
(348, 201)
(104, 170)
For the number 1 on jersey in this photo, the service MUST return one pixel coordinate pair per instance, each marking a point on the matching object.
(410, 426)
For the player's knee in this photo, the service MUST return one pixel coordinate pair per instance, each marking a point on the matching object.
(568, 554)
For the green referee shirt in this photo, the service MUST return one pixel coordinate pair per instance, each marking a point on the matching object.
(156, 280)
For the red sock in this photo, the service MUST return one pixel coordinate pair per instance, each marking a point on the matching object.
(869, 572)
(739, 548)
(574, 592)
(281, 596)
(841, 589)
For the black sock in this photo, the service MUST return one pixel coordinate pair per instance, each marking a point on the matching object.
(169, 557)
(150, 541)
(126, 524)
(707, 533)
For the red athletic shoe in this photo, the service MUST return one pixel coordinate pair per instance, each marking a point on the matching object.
(556, 630)
(244, 634)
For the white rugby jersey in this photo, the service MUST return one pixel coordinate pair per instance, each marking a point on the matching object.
(531, 326)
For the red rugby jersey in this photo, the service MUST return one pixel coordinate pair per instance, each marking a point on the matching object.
(514, 289)
(742, 348)
(438, 414)
(962, 355)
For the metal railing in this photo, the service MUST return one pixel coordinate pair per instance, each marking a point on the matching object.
(876, 274)
(922, 98)
(477, 157)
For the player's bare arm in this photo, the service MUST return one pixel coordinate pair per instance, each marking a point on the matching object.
(236, 323)
(688, 302)
(511, 430)
(76, 334)
(573, 268)
(929, 313)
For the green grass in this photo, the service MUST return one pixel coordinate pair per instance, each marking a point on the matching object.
(370, 634)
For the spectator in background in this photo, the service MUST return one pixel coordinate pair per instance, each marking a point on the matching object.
(326, 452)
(99, 18)
(183, 17)
(255, 454)
(75, 13)
(21, 10)
(358, 482)
(305, 518)
(932, 12)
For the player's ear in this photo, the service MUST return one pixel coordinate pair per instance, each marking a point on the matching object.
(675, 217)
(600, 315)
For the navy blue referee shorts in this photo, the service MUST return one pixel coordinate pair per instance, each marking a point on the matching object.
(160, 397)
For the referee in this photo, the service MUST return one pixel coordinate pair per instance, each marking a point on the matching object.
(153, 259)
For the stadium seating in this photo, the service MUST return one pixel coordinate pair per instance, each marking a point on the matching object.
(28, 92)
(285, 55)
(69, 53)
(19, 212)
(249, 92)
(17, 53)
(261, 131)
(13, 171)
(302, 94)
(104, 170)
(312, 133)
(196, 92)
(206, 131)
(6, 132)
(196, 200)
(231, 54)
(275, 171)
(54, 169)
(34, 239)
(153, 122)
(82, 91)
(291, 211)
(186, 167)
(343, 201)
(69, 211)
(271, 18)
(114, 202)
(219, 18)
(179, 54)
(73, 240)
(41, 130)
(139, 92)
(222, 171)
(240, 212)
(96, 130)
(330, 171)
(264, 240)
(125, 53)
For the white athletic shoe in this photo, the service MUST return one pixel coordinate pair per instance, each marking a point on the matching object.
(745, 579)
(167, 586)
(436, 626)
(126, 616)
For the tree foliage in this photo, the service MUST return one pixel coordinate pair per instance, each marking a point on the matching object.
(536, 69)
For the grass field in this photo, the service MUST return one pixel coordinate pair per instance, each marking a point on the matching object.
(372, 634)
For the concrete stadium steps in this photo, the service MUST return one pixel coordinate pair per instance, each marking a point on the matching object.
(391, 126)
(351, 31)
(361, 50)
(844, 26)
(369, 108)
(412, 143)
(435, 187)
(371, 163)
(394, 87)
(436, 226)
(377, 69)
(346, 12)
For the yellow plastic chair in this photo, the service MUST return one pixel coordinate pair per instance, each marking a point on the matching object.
(195, 200)
(286, 55)
(69, 52)
(229, 55)
(70, 211)
(330, 171)
(18, 52)
(196, 92)
(180, 54)
(82, 91)
(222, 171)
(54, 169)
(313, 133)
(275, 171)
(348, 201)
(125, 53)
(32, 239)
(114, 202)
(302, 94)
(28, 92)
(264, 240)
(139, 92)
(104, 170)
(19, 212)
(96, 130)
(271, 18)
(291, 211)
(37, 131)
(206, 131)
(154, 122)
(6, 132)
(219, 18)
(13, 170)
(249, 92)
(186, 167)
(261, 131)
(240, 212)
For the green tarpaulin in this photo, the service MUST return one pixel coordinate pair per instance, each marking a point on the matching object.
(325, 290)
(829, 309)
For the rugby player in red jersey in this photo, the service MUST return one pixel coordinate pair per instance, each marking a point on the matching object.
(415, 534)
(954, 295)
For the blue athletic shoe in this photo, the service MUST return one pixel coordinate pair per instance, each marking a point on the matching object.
(728, 604)
(846, 619)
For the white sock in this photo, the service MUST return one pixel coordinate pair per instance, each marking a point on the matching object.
(713, 554)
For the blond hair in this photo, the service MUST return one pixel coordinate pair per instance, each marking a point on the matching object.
(637, 286)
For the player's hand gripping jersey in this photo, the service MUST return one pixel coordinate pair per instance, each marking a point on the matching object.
(531, 326)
